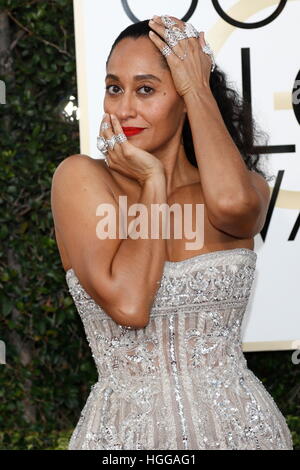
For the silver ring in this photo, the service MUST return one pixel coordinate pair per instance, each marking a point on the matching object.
(173, 36)
(166, 51)
(102, 144)
(167, 21)
(111, 142)
(190, 31)
(104, 126)
(207, 50)
(121, 138)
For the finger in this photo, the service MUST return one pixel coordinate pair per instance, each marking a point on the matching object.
(107, 134)
(160, 45)
(159, 20)
(117, 129)
(161, 31)
(203, 43)
(158, 26)
(103, 135)
(106, 120)
(202, 39)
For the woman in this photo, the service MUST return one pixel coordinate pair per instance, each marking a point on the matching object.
(163, 323)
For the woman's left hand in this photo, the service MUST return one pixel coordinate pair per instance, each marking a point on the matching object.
(192, 73)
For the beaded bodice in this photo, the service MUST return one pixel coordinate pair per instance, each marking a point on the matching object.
(195, 318)
(182, 381)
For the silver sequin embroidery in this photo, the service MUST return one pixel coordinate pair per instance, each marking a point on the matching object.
(182, 382)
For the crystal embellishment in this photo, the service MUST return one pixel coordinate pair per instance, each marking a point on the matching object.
(182, 382)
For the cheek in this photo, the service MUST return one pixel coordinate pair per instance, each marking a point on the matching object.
(163, 111)
(106, 104)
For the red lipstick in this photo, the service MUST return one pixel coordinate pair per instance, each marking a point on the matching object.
(128, 131)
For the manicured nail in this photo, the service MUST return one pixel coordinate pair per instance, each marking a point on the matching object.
(113, 116)
(155, 17)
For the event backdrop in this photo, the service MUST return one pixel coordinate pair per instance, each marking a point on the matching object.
(257, 44)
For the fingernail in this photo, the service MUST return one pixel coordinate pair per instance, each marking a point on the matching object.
(155, 17)
(104, 116)
(113, 116)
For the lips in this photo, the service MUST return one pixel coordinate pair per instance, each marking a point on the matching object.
(128, 131)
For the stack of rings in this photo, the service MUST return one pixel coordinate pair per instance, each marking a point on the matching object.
(173, 34)
(104, 144)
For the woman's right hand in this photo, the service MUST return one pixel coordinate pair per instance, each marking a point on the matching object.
(126, 157)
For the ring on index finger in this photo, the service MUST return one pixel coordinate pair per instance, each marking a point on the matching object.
(104, 126)
(167, 21)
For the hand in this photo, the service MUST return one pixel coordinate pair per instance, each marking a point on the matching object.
(193, 72)
(128, 159)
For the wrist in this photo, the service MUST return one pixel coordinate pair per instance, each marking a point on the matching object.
(197, 94)
(155, 178)
(158, 176)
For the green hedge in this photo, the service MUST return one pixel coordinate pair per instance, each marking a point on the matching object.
(49, 369)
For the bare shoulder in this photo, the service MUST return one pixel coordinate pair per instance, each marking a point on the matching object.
(76, 161)
(78, 174)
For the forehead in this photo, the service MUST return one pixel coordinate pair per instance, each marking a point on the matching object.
(134, 56)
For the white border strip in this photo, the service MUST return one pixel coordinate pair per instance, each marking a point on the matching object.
(269, 346)
(82, 89)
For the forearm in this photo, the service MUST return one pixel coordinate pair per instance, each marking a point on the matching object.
(138, 263)
(223, 173)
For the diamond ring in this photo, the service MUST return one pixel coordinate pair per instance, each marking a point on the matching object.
(102, 144)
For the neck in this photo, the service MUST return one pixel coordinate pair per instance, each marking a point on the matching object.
(178, 170)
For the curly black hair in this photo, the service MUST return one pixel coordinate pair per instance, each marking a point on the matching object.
(236, 111)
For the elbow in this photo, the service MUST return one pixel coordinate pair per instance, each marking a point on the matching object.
(239, 220)
(134, 309)
(132, 316)
(240, 205)
(125, 308)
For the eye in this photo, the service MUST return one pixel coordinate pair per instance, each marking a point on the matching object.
(144, 86)
(148, 88)
(109, 86)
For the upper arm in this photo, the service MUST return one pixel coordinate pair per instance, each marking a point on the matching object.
(246, 220)
(78, 188)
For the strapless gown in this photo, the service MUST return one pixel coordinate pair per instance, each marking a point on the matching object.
(182, 382)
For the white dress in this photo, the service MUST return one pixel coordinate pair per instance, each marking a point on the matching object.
(182, 382)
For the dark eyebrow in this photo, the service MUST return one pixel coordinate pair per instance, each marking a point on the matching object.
(147, 76)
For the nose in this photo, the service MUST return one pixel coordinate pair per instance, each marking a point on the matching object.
(126, 107)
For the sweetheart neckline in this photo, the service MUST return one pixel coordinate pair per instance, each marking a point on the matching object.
(216, 252)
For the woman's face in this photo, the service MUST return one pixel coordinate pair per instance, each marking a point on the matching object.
(151, 102)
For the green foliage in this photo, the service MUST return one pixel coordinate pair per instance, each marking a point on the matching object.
(47, 378)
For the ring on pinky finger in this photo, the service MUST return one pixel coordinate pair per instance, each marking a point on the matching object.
(105, 125)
